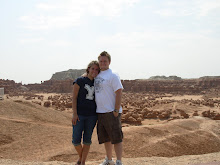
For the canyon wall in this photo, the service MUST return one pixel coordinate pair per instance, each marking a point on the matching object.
(170, 86)
(9, 85)
(187, 86)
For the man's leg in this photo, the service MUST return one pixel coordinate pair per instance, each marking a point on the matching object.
(118, 150)
(117, 136)
(108, 150)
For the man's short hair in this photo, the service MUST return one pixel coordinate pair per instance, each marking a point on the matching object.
(104, 53)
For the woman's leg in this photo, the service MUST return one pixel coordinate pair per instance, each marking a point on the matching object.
(79, 151)
(77, 136)
(85, 151)
(89, 126)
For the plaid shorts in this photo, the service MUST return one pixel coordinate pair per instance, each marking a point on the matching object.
(109, 128)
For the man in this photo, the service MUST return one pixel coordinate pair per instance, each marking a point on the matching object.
(108, 94)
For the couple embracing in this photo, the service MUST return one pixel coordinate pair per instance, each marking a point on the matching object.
(97, 97)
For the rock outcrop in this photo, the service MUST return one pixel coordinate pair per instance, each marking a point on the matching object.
(52, 86)
(70, 74)
(9, 85)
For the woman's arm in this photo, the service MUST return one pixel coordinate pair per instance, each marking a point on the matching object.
(74, 103)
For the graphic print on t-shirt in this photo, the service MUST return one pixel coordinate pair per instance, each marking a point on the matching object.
(91, 90)
(98, 86)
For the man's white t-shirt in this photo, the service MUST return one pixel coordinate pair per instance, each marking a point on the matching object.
(106, 84)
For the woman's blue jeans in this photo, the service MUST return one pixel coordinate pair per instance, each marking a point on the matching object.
(83, 127)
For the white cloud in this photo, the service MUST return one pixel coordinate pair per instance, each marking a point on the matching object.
(144, 54)
(43, 22)
(60, 43)
(31, 40)
(109, 9)
(53, 43)
(165, 12)
(46, 7)
(205, 7)
(154, 41)
(176, 8)
(197, 8)
(69, 13)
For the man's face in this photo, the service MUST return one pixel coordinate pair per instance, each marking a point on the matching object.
(104, 63)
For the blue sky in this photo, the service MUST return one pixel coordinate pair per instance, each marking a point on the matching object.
(144, 37)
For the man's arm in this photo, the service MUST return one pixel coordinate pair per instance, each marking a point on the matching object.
(117, 101)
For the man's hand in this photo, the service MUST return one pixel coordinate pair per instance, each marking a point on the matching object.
(118, 97)
(84, 75)
(115, 114)
(74, 119)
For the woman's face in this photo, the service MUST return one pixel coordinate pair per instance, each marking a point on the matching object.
(93, 71)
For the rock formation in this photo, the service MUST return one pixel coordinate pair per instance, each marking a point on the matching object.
(190, 86)
(70, 74)
(186, 86)
(9, 85)
(165, 78)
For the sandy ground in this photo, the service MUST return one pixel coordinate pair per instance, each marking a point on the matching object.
(33, 134)
(206, 159)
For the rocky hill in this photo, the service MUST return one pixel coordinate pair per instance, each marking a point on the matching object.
(70, 74)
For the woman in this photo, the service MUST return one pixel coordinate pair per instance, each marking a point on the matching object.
(84, 111)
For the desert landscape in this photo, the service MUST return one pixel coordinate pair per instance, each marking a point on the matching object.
(165, 122)
(166, 53)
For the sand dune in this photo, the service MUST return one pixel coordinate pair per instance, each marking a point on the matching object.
(32, 134)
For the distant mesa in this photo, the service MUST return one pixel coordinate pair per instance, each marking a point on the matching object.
(179, 78)
(62, 82)
(70, 74)
(209, 77)
(165, 78)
